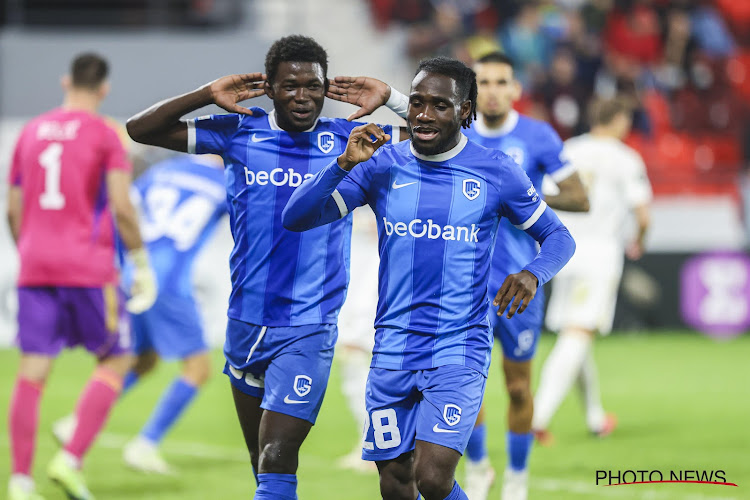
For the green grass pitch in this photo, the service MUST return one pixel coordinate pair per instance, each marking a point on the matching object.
(683, 402)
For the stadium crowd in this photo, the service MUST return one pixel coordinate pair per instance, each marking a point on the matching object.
(685, 64)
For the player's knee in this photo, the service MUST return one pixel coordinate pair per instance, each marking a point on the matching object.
(197, 372)
(392, 488)
(519, 391)
(433, 482)
(279, 457)
(145, 363)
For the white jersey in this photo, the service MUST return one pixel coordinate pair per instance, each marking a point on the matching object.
(614, 176)
(584, 293)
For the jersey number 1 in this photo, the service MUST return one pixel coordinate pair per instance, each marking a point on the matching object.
(50, 160)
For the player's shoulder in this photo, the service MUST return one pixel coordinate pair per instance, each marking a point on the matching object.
(487, 157)
(537, 130)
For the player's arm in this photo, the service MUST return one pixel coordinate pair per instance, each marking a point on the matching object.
(643, 220)
(15, 211)
(528, 212)
(572, 196)
(369, 94)
(162, 124)
(317, 201)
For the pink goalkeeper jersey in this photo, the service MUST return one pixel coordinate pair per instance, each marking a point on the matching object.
(67, 232)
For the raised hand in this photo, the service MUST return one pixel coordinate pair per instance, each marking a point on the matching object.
(360, 146)
(367, 93)
(228, 90)
(520, 288)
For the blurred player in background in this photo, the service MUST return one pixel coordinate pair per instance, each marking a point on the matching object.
(287, 288)
(438, 199)
(69, 177)
(537, 148)
(181, 201)
(585, 292)
(356, 330)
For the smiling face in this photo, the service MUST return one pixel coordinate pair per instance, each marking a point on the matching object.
(435, 113)
(498, 90)
(298, 92)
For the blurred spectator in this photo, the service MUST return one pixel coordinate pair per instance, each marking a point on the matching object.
(684, 65)
(562, 97)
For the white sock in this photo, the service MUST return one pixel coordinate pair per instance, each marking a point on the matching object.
(355, 366)
(560, 370)
(588, 382)
(22, 481)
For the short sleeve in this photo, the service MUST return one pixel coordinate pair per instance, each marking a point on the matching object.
(212, 133)
(520, 202)
(115, 155)
(353, 189)
(552, 156)
(637, 186)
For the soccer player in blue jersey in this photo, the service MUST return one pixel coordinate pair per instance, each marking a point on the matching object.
(181, 201)
(438, 200)
(287, 288)
(537, 148)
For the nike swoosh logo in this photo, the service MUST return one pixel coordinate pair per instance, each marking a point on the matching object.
(260, 139)
(440, 429)
(399, 186)
(293, 401)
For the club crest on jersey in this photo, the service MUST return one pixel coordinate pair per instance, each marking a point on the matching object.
(471, 188)
(302, 385)
(326, 142)
(451, 414)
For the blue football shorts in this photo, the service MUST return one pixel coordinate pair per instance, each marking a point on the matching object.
(171, 327)
(436, 405)
(286, 367)
(519, 335)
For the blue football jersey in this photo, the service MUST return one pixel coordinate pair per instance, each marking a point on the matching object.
(537, 148)
(437, 219)
(279, 278)
(181, 201)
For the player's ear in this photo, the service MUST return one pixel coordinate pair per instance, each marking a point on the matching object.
(104, 89)
(517, 89)
(465, 110)
(268, 88)
(65, 82)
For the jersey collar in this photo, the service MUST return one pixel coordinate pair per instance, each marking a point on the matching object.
(507, 127)
(447, 155)
(275, 126)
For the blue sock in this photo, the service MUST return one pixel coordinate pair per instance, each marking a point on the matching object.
(276, 487)
(456, 493)
(171, 405)
(519, 446)
(129, 381)
(476, 450)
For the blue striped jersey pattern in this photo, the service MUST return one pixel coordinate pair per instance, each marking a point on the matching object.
(537, 148)
(181, 201)
(279, 278)
(437, 219)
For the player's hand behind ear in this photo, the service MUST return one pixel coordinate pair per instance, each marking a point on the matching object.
(367, 93)
(228, 90)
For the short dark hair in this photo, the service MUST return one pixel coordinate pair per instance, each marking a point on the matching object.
(603, 111)
(496, 57)
(295, 48)
(464, 76)
(88, 71)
